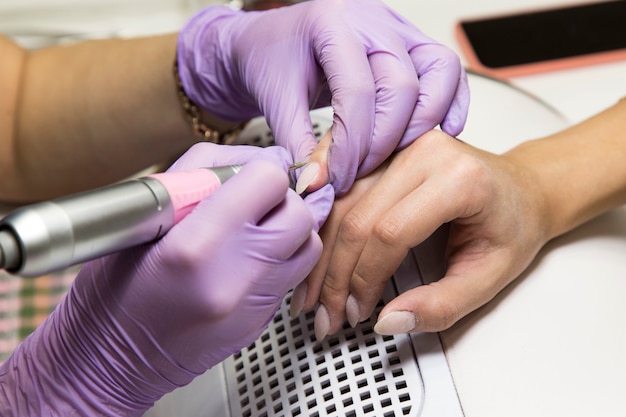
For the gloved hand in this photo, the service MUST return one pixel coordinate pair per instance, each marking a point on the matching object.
(387, 82)
(138, 324)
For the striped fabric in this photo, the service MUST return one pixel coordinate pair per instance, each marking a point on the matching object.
(26, 302)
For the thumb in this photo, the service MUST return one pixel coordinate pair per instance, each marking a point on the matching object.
(437, 306)
(320, 203)
(292, 128)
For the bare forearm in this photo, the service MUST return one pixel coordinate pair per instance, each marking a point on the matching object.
(581, 171)
(93, 113)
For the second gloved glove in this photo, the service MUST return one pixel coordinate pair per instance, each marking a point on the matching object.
(138, 324)
(387, 82)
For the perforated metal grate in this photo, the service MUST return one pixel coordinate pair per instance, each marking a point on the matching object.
(258, 133)
(355, 372)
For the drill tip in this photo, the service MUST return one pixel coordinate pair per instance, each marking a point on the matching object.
(297, 165)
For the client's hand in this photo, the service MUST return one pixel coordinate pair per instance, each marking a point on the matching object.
(498, 224)
(138, 324)
(387, 82)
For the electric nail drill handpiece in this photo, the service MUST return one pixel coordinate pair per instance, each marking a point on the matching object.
(52, 235)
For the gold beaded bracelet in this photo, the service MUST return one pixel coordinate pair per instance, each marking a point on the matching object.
(193, 114)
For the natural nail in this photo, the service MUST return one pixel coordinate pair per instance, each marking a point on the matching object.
(352, 311)
(307, 176)
(297, 299)
(322, 323)
(396, 322)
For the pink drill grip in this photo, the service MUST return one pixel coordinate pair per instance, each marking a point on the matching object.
(187, 188)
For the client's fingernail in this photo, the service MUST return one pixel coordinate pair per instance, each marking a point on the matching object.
(396, 322)
(307, 176)
(322, 323)
(297, 299)
(352, 311)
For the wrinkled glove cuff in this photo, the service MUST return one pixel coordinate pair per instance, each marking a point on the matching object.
(202, 54)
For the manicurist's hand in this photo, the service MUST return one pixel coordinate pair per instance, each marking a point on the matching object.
(387, 82)
(138, 324)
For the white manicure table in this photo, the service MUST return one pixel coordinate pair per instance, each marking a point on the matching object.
(553, 342)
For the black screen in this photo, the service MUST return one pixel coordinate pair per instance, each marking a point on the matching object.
(547, 35)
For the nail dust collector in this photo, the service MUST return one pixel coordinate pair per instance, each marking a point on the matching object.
(355, 372)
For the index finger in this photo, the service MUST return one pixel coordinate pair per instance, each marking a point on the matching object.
(443, 94)
(260, 183)
(345, 63)
(420, 206)
(351, 236)
(409, 222)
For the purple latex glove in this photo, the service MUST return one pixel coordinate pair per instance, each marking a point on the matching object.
(138, 324)
(387, 82)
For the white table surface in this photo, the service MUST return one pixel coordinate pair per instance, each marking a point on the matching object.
(552, 343)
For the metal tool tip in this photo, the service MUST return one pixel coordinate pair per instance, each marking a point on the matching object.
(297, 165)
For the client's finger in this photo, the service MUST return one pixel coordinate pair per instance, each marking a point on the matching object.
(469, 284)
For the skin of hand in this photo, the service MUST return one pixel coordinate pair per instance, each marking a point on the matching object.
(387, 82)
(79, 116)
(138, 324)
(501, 210)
